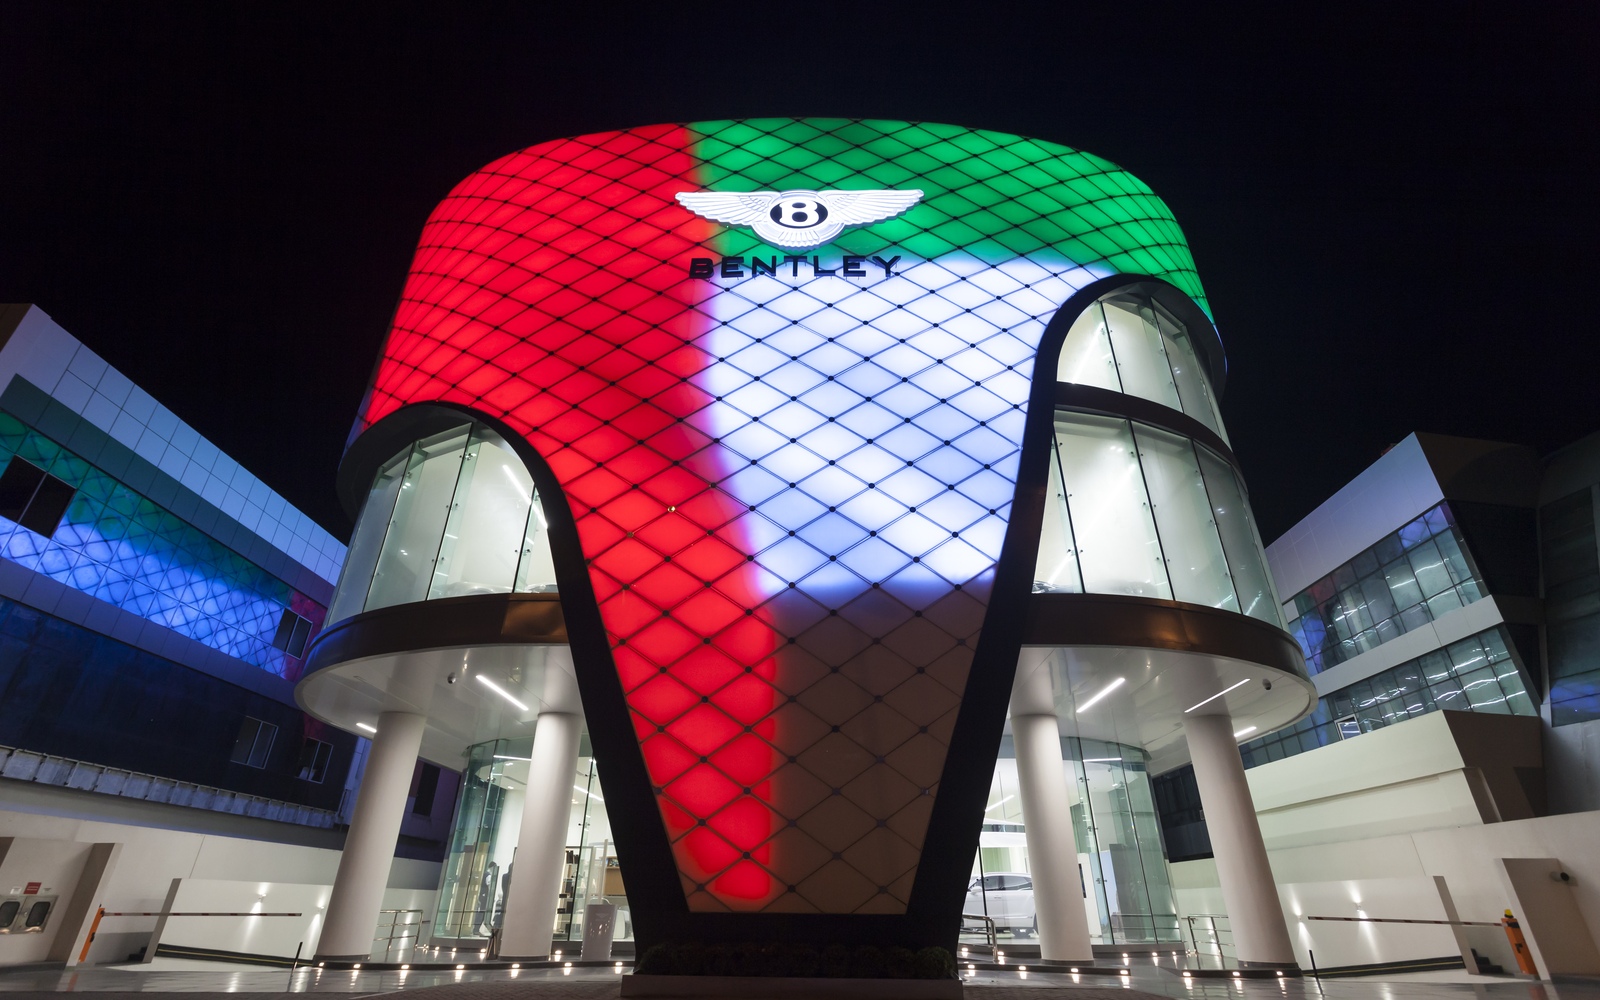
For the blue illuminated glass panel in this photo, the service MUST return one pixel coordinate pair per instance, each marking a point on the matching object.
(120, 547)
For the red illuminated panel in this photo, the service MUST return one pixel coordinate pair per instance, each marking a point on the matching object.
(549, 291)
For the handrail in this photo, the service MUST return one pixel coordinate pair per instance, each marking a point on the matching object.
(404, 929)
(992, 935)
(1214, 942)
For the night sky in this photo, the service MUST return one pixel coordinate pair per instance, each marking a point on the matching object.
(1392, 207)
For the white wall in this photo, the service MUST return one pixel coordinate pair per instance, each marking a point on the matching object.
(1427, 773)
(268, 935)
(152, 857)
(1388, 493)
(1391, 877)
(56, 867)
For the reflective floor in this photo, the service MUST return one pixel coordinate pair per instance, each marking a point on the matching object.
(192, 977)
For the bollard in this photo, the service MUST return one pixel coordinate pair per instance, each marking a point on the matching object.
(1519, 944)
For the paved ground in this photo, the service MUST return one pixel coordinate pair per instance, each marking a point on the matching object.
(203, 981)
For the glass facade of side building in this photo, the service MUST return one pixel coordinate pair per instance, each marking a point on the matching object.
(156, 601)
(1477, 674)
(1409, 578)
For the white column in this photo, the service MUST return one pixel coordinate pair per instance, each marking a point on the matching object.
(352, 917)
(1052, 849)
(542, 842)
(1255, 915)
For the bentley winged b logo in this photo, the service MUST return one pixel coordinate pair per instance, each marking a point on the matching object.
(798, 219)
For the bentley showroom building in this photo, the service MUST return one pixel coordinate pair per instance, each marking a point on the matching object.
(825, 531)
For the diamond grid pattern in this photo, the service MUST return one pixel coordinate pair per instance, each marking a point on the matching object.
(124, 549)
(791, 489)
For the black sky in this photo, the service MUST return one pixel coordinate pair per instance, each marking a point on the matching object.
(1392, 207)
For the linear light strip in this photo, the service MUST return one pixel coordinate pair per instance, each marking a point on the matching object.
(1214, 697)
(502, 692)
(1091, 702)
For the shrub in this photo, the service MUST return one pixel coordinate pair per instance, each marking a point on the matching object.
(658, 961)
(689, 959)
(719, 961)
(935, 963)
(835, 961)
(868, 962)
(900, 963)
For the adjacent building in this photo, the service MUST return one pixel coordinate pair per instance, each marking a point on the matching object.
(1445, 601)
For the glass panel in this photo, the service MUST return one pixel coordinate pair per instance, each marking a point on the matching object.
(411, 545)
(1141, 358)
(1455, 558)
(1000, 887)
(536, 573)
(485, 533)
(477, 871)
(1057, 569)
(1106, 497)
(1096, 905)
(1163, 910)
(1194, 389)
(1402, 583)
(1086, 355)
(1195, 563)
(1246, 563)
(1483, 692)
(1428, 565)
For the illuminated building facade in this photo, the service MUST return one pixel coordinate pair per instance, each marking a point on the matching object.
(797, 466)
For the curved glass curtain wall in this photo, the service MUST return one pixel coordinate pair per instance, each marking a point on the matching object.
(1117, 839)
(1141, 511)
(1128, 343)
(453, 515)
(478, 870)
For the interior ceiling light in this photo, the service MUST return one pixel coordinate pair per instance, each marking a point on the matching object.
(363, 725)
(1214, 697)
(1091, 702)
(502, 692)
(1246, 731)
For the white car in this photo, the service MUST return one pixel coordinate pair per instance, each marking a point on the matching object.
(1007, 898)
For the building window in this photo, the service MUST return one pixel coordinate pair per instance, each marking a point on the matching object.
(292, 634)
(314, 757)
(1571, 612)
(1168, 519)
(254, 743)
(1476, 674)
(33, 498)
(427, 789)
(1408, 579)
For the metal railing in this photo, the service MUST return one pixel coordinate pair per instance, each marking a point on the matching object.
(67, 772)
(1210, 939)
(395, 929)
(990, 934)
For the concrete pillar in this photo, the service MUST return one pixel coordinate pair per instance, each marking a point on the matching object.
(1052, 849)
(542, 841)
(352, 917)
(1260, 935)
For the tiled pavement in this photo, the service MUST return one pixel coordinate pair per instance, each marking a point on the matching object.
(586, 984)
